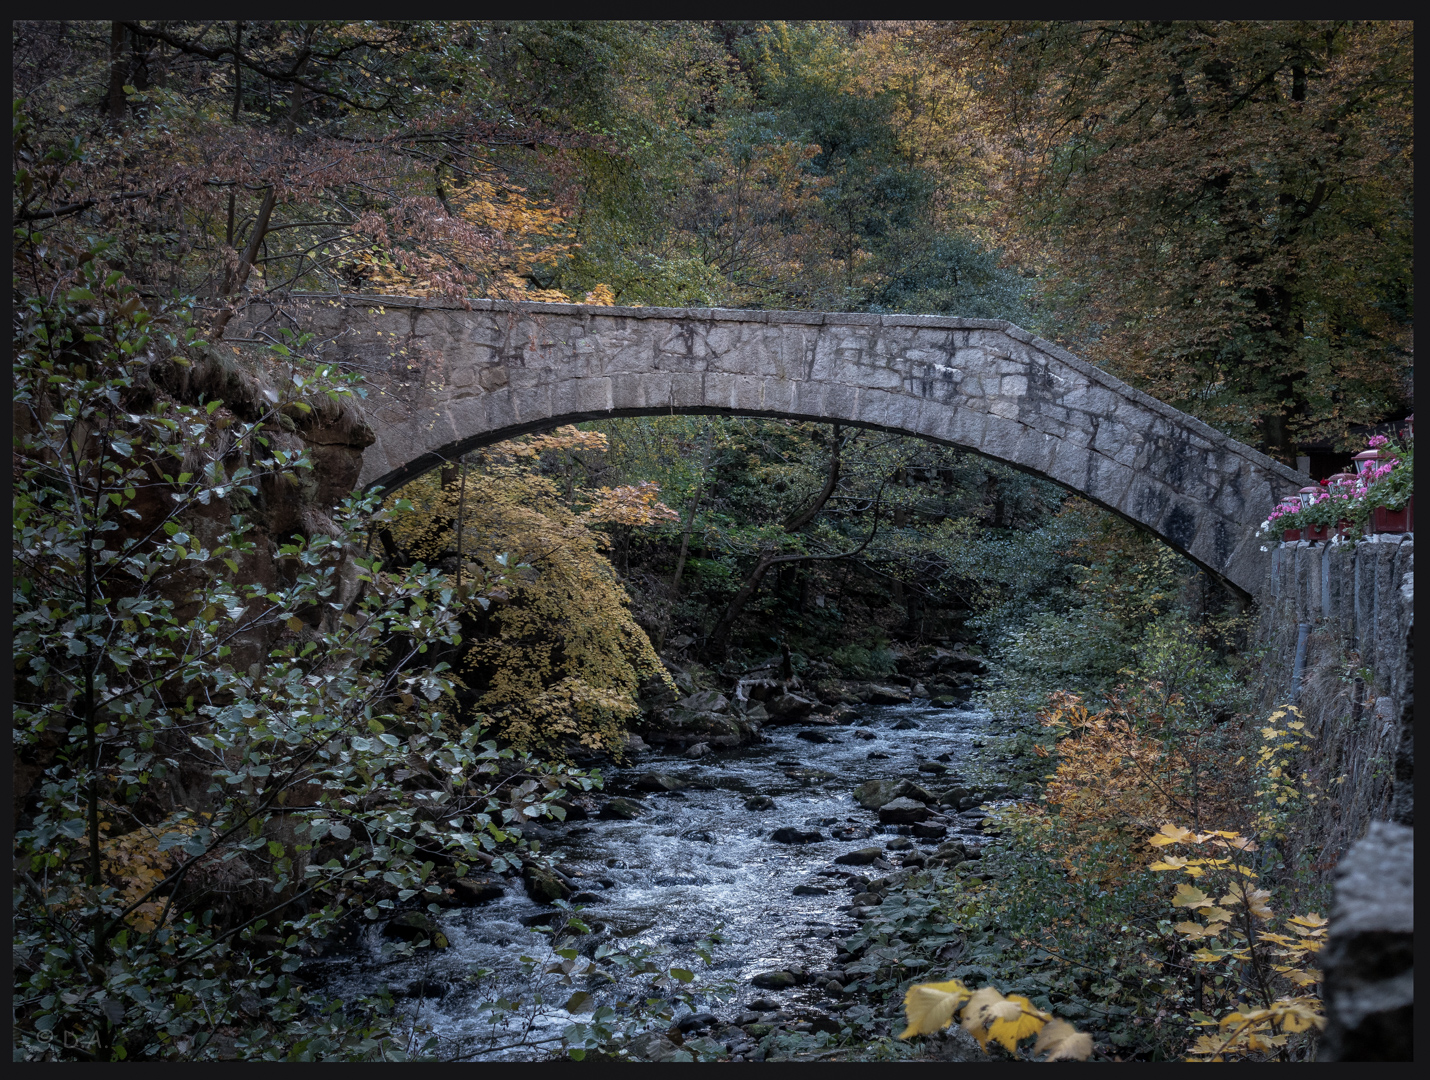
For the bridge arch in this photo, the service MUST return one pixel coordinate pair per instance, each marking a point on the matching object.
(447, 378)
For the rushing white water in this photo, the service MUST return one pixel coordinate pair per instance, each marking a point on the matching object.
(694, 862)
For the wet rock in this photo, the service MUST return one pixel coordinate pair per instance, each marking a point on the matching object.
(477, 889)
(759, 802)
(758, 1031)
(711, 701)
(790, 835)
(808, 890)
(968, 802)
(621, 810)
(885, 695)
(696, 1022)
(699, 750)
(928, 830)
(828, 1024)
(415, 926)
(764, 1004)
(867, 899)
(788, 707)
(844, 714)
(586, 898)
(757, 714)
(906, 725)
(953, 796)
(898, 843)
(701, 837)
(862, 857)
(918, 690)
(864, 733)
(875, 793)
(876, 755)
(655, 1046)
(817, 736)
(902, 811)
(654, 781)
(910, 790)
(915, 860)
(635, 744)
(805, 773)
(851, 832)
(938, 768)
(542, 885)
(775, 980)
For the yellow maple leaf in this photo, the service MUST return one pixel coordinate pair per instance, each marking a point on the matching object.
(1169, 862)
(1063, 1042)
(1194, 930)
(930, 1006)
(1170, 834)
(1311, 919)
(1190, 896)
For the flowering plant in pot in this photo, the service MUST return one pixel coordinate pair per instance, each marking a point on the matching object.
(1284, 518)
(1390, 485)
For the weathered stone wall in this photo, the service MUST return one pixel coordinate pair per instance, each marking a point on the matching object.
(1338, 624)
(448, 377)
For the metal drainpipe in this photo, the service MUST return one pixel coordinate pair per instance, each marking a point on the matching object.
(1303, 634)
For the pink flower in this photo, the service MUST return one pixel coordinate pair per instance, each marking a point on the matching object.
(1377, 441)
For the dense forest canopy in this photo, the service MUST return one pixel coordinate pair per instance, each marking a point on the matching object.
(254, 709)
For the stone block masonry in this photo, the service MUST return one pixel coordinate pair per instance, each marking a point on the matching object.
(1351, 608)
(446, 377)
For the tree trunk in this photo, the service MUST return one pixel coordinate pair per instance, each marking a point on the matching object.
(114, 104)
(690, 516)
(245, 262)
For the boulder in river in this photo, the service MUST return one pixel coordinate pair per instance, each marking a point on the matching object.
(864, 733)
(902, 811)
(938, 768)
(656, 781)
(477, 889)
(415, 926)
(873, 694)
(808, 890)
(621, 810)
(759, 802)
(790, 835)
(775, 980)
(875, 793)
(817, 736)
(906, 725)
(867, 899)
(898, 843)
(542, 885)
(953, 796)
(929, 830)
(788, 707)
(862, 857)
(699, 750)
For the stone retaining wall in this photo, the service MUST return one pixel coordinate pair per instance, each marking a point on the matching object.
(1338, 622)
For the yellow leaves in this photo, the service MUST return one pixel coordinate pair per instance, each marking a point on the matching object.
(1196, 930)
(990, 1017)
(1171, 834)
(633, 505)
(1190, 896)
(601, 295)
(1063, 1042)
(1170, 862)
(930, 1006)
(1311, 920)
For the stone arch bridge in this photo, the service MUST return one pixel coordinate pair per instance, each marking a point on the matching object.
(447, 378)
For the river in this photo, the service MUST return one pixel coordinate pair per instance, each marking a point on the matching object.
(694, 862)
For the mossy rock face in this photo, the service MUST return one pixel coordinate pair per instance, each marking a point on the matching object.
(542, 885)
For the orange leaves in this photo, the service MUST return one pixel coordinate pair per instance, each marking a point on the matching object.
(990, 1017)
